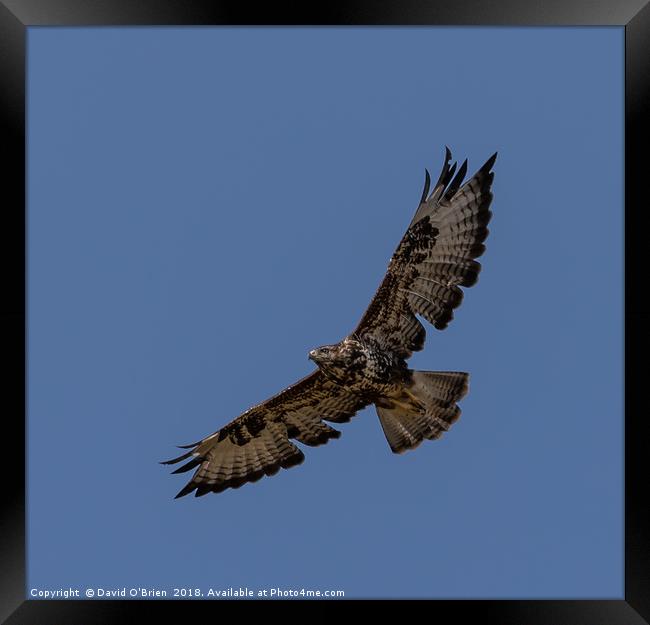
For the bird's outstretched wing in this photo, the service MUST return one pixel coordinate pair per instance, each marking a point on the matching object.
(434, 258)
(257, 442)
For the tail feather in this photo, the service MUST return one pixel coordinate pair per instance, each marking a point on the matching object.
(424, 410)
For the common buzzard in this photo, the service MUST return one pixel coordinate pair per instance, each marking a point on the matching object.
(435, 257)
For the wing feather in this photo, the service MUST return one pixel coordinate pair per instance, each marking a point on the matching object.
(257, 442)
(434, 258)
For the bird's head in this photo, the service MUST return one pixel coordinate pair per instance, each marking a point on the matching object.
(336, 360)
(324, 355)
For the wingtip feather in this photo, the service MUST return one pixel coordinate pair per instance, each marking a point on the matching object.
(178, 459)
(446, 172)
(186, 490)
(188, 446)
(195, 462)
(427, 184)
(454, 185)
(489, 163)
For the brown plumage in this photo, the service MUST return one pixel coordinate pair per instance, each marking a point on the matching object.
(435, 257)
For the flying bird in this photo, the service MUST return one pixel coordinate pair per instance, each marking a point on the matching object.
(436, 256)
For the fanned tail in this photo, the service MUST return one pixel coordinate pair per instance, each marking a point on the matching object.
(425, 409)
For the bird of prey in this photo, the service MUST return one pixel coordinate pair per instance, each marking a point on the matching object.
(435, 257)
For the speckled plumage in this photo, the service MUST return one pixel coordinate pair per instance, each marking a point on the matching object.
(434, 258)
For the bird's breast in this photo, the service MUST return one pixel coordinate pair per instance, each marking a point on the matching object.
(371, 371)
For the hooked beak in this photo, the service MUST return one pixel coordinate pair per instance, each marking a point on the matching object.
(313, 355)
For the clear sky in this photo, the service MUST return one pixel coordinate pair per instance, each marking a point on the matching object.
(206, 205)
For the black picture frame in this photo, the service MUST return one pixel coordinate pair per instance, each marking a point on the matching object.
(17, 15)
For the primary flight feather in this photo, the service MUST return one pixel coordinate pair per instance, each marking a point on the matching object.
(435, 257)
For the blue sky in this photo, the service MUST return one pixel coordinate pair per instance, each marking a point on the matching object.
(206, 205)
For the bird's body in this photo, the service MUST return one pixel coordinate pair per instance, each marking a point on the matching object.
(435, 256)
(362, 367)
